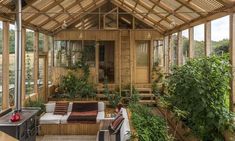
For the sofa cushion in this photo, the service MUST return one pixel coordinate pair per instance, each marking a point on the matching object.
(83, 107)
(70, 107)
(65, 118)
(50, 107)
(50, 118)
(101, 106)
(116, 124)
(61, 108)
(100, 116)
(87, 116)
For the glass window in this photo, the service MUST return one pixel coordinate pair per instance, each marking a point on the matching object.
(142, 48)
(158, 52)
(11, 64)
(174, 48)
(1, 65)
(199, 44)
(220, 35)
(67, 53)
(185, 35)
(50, 51)
(29, 61)
(41, 42)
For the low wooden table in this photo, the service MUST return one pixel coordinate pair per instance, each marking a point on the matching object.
(6, 137)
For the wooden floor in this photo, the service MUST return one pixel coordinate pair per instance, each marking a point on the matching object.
(66, 138)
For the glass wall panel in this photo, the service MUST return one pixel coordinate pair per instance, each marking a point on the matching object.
(1, 65)
(174, 48)
(67, 53)
(50, 51)
(185, 36)
(11, 64)
(29, 59)
(220, 35)
(199, 43)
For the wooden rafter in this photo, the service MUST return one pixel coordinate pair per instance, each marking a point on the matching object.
(57, 15)
(44, 10)
(171, 11)
(90, 8)
(159, 29)
(29, 3)
(188, 5)
(199, 20)
(161, 26)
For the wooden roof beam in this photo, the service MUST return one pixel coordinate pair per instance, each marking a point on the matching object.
(188, 5)
(89, 8)
(130, 12)
(44, 10)
(171, 11)
(201, 20)
(57, 15)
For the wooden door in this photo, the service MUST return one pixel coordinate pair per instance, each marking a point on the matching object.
(142, 61)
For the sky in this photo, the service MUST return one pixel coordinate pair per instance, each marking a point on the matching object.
(219, 29)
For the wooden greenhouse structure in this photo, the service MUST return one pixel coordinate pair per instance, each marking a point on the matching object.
(117, 43)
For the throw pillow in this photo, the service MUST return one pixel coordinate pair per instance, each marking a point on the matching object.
(61, 108)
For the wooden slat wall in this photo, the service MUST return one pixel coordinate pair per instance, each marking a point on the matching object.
(5, 70)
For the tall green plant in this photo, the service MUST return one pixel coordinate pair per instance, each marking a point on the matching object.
(113, 98)
(201, 88)
(148, 126)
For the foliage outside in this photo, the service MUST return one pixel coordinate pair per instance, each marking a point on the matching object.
(200, 90)
(148, 126)
(39, 102)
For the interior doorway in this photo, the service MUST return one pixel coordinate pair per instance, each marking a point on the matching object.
(106, 61)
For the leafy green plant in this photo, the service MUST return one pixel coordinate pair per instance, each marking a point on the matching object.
(114, 98)
(198, 92)
(134, 97)
(39, 102)
(148, 126)
(70, 84)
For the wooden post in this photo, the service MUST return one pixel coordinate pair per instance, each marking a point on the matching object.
(5, 68)
(180, 49)
(232, 59)
(36, 61)
(191, 43)
(45, 83)
(120, 61)
(23, 65)
(208, 38)
(151, 61)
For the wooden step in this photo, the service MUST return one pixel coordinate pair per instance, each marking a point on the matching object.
(147, 102)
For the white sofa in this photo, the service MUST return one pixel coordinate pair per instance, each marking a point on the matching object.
(50, 118)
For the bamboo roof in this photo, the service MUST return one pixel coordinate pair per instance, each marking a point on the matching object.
(166, 16)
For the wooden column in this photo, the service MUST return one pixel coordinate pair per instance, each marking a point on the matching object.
(5, 68)
(208, 38)
(151, 60)
(45, 83)
(23, 65)
(232, 59)
(180, 49)
(36, 61)
(191, 43)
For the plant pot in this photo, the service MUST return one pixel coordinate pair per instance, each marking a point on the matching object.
(229, 136)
